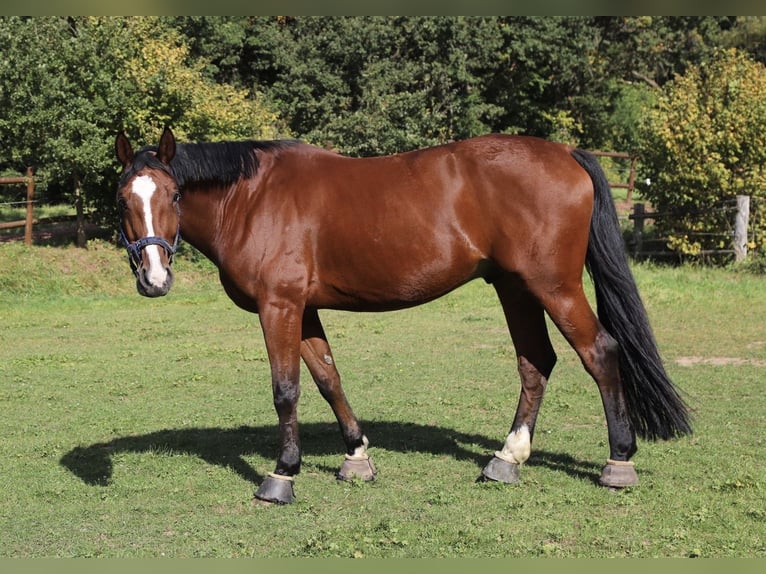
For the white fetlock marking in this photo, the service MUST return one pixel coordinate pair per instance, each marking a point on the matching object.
(360, 452)
(281, 476)
(517, 447)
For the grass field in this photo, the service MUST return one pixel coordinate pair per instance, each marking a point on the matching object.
(136, 427)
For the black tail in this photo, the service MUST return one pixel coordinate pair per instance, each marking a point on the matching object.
(654, 405)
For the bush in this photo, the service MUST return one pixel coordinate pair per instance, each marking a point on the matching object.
(704, 143)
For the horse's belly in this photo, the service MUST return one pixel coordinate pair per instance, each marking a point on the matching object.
(395, 286)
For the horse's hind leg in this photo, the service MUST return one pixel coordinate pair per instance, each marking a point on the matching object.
(536, 358)
(599, 353)
(317, 356)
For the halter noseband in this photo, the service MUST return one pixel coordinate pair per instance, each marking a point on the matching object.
(135, 248)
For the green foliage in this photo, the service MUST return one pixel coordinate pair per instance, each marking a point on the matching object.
(653, 49)
(387, 84)
(755, 263)
(375, 85)
(60, 84)
(216, 41)
(171, 88)
(703, 144)
(546, 85)
(623, 126)
(748, 33)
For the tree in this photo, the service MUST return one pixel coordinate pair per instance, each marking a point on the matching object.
(383, 84)
(217, 41)
(59, 86)
(635, 57)
(374, 85)
(703, 144)
(749, 34)
(171, 88)
(67, 85)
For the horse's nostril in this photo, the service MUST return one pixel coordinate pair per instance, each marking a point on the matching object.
(144, 276)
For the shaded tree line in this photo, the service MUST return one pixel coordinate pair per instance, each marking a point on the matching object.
(373, 85)
(362, 85)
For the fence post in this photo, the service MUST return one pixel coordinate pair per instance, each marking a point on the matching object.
(638, 228)
(30, 207)
(631, 179)
(740, 227)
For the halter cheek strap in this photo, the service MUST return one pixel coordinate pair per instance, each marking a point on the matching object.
(135, 248)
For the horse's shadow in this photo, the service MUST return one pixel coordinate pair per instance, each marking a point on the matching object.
(229, 447)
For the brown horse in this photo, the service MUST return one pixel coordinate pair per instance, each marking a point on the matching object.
(294, 228)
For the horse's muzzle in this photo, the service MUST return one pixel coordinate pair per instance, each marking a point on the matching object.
(147, 288)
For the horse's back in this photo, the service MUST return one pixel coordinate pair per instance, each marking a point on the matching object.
(495, 174)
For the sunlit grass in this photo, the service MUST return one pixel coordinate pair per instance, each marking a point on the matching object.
(136, 427)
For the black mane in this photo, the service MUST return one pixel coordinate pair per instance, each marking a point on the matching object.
(218, 163)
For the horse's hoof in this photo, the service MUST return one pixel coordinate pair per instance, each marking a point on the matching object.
(357, 467)
(500, 470)
(618, 474)
(276, 489)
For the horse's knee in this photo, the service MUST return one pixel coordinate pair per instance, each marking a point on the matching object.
(286, 394)
(328, 382)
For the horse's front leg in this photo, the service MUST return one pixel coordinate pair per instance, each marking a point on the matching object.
(318, 357)
(281, 324)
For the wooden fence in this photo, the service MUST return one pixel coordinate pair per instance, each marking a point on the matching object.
(30, 221)
(738, 235)
(29, 181)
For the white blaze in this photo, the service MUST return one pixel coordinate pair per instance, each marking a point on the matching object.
(144, 187)
(517, 446)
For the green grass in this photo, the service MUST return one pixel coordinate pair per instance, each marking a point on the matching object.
(136, 427)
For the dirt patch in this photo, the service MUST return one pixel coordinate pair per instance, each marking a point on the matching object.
(719, 361)
(55, 234)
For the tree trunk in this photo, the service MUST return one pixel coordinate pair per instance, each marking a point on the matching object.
(82, 240)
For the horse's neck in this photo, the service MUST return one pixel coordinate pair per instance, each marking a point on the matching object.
(200, 221)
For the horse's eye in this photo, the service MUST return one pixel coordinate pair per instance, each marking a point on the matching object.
(122, 205)
(176, 197)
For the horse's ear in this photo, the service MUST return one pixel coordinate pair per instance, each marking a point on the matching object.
(167, 148)
(123, 149)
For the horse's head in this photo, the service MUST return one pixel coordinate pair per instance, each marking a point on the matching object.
(148, 198)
